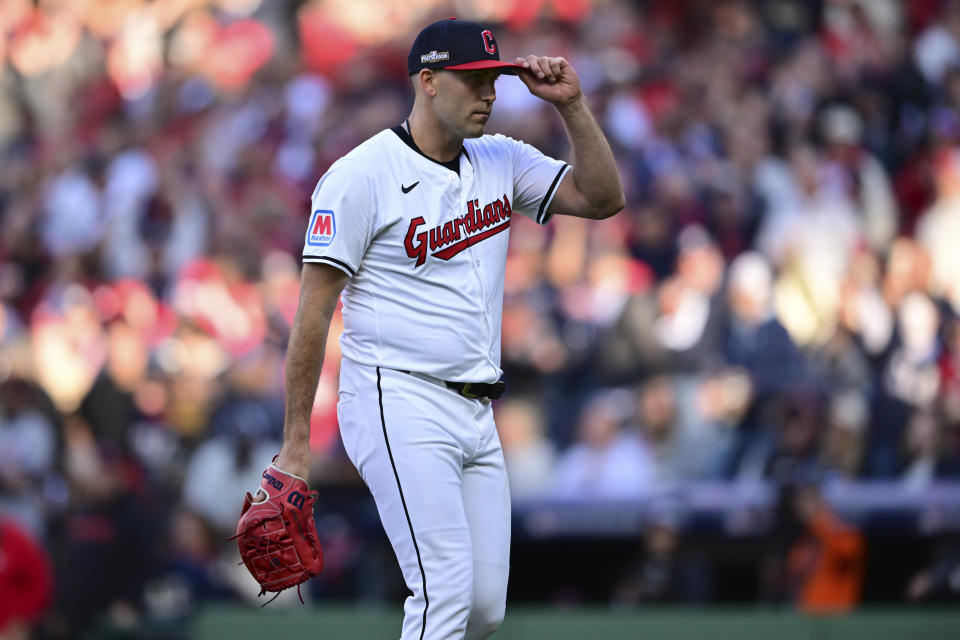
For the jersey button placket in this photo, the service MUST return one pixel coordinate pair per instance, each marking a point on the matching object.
(470, 191)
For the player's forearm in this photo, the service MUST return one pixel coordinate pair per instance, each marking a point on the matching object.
(305, 351)
(308, 340)
(594, 167)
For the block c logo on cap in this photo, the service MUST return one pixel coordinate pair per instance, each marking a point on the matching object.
(323, 226)
(488, 43)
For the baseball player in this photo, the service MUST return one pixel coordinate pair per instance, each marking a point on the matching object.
(410, 229)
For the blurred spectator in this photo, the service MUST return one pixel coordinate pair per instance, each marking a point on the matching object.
(798, 415)
(840, 363)
(926, 460)
(529, 456)
(227, 465)
(910, 380)
(757, 343)
(866, 325)
(864, 177)
(668, 570)
(811, 239)
(608, 460)
(678, 327)
(818, 561)
(756, 340)
(158, 217)
(28, 453)
(826, 565)
(938, 46)
(907, 271)
(949, 400)
(73, 209)
(191, 575)
(106, 530)
(26, 581)
(938, 582)
(940, 223)
(684, 446)
(717, 407)
(109, 406)
(844, 440)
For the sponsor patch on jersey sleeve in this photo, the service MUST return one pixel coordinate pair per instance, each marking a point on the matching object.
(322, 229)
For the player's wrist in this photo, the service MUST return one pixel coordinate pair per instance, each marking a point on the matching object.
(293, 461)
(572, 104)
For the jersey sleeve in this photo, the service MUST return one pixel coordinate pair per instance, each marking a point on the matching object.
(341, 217)
(536, 178)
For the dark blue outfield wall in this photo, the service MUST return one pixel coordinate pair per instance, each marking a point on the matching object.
(745, 509)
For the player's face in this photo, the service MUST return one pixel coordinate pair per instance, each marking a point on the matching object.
(465, 99)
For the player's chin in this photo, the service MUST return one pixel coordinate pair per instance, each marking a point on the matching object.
(475, 129)
(476, 124)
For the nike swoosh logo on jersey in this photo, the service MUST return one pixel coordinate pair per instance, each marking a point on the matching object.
(410, 188)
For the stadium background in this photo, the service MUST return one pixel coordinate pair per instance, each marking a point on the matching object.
(743, 391)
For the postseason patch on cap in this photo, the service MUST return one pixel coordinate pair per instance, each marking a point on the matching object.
(434, 56)
(323, 226)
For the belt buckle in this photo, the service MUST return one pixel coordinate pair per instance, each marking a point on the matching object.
(466, 392)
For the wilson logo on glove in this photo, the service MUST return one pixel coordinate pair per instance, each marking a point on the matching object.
(296, 499)
(277, 537)
(273, 482)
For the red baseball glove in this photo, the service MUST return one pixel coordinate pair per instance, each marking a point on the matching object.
(278, 537)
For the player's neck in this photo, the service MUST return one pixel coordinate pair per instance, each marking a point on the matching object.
(432, 138)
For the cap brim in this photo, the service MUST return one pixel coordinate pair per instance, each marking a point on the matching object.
(507, 67)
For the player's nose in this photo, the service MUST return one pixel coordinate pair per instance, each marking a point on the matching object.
(488, 93)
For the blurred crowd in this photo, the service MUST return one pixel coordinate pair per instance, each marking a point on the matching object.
(779, 300)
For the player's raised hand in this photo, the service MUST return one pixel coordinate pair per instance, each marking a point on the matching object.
(550, 79)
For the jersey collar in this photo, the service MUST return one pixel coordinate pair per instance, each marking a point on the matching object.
(452, 165)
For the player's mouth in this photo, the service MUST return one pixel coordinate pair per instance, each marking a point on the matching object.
(483, 115)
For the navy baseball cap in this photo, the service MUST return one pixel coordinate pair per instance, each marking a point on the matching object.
(459, 45)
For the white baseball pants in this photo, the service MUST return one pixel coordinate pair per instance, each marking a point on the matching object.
(433, 462)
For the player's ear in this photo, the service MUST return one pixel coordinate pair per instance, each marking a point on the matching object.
(428, 82)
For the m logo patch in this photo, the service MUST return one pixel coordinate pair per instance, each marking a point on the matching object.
(322, 229)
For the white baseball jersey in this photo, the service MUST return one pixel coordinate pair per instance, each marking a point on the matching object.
(426, 248)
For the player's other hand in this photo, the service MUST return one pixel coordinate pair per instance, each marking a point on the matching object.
(550, 79)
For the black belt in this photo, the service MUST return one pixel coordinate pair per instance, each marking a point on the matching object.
(474, 390)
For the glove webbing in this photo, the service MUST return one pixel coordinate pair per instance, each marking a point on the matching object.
(265, 542)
